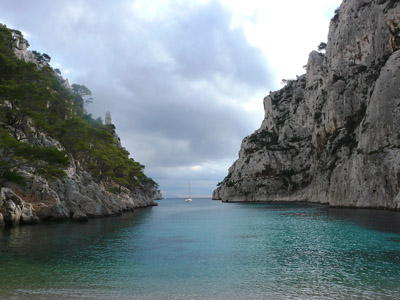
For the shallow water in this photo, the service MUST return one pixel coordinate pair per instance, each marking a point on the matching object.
(207, 250)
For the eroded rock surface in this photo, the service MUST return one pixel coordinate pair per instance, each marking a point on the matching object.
(15, 211)
(77, 196)
(332, 135)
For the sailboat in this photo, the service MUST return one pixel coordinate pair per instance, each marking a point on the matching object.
(189, 199)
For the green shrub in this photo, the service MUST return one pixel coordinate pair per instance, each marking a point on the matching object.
(40, 95)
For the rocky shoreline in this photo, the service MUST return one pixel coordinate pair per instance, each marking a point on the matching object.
(75, 195)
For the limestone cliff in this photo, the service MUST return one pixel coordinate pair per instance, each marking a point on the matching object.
(76, 195)
(332, 135)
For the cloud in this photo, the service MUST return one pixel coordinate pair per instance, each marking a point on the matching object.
(176, 76)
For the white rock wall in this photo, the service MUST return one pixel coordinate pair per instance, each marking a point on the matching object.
(332, 136)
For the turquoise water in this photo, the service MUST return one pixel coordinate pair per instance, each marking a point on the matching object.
(207, 250)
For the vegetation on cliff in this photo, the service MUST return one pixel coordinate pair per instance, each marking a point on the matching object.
(35, 98)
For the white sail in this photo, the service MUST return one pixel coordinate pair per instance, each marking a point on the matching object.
(189, 199)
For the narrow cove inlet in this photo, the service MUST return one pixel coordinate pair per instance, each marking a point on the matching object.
(207, 250)
(122, 208)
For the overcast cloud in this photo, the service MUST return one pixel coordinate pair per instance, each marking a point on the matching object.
(179, 77)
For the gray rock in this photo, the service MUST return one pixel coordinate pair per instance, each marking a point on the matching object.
(14, 210)
(54, 200)
(331, 135)
(41, 199)
(28, 215)
(2, 223)
(157, 195)
(79, 217)
(11, 213)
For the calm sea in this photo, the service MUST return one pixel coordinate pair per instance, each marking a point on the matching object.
(207, 250)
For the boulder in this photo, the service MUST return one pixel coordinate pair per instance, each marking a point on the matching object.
(14, 210)
(11, 212)
(79, 216)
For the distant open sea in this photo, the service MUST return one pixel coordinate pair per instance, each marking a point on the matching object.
(207, 250)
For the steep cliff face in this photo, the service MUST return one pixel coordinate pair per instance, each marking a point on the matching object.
(77, 194)
(332, 135)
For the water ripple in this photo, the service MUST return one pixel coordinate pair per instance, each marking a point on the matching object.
(207, 250)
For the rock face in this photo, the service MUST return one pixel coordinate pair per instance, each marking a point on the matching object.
(15, 211)
(332, 135)
(76, 196)
(20, 48)
(157, 195)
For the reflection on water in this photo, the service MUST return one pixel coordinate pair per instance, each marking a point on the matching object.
(383, 220)
(207, 250)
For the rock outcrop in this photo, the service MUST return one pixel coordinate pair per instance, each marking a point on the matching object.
(15, 211)
(157, 195)
(77, 196)
(332, 135)
(20, 48)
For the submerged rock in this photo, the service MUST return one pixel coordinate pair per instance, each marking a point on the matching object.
(331, 136)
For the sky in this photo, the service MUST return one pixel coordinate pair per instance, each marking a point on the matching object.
(184, 80)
